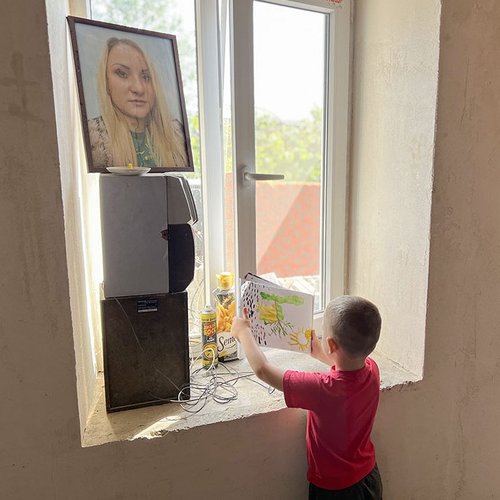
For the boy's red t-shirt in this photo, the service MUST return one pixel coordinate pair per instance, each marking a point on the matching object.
(342, 407)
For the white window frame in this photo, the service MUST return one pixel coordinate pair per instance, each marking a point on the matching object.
(211, 136)
(337, 111)
(210, 97)
(210, 100)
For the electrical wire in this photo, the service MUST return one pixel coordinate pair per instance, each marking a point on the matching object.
(206, 383)
(209, 384)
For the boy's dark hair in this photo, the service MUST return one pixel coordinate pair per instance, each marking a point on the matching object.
(354, 323)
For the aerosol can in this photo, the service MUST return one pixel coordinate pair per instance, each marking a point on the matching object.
(210, 355)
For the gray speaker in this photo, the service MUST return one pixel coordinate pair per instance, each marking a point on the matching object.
(136, 212)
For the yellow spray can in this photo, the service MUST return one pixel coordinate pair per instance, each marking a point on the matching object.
(210, 355)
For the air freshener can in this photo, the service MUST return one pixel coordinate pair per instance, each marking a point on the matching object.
(209, 337)
(225, 308)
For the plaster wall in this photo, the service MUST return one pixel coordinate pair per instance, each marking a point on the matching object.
(435, 439)
(396, 49)
(438, 439)
(40, 452)
(73, 186)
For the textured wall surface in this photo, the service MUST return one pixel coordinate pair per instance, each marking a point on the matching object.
(435, 439)
(396, 50)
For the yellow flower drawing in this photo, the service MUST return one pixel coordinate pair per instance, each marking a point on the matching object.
(268, 313)
(301, 339)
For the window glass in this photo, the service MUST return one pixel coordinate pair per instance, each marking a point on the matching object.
(289, 54)
(289, 82)
(175, 17)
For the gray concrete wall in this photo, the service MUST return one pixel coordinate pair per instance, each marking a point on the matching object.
(395, 75)
(436, 440)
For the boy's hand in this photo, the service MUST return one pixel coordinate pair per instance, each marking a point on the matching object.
(240, 326)
(257, 360)
(316, 347)
(317, 351)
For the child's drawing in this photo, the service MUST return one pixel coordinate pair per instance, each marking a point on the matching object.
(279, 317)
(302, 340)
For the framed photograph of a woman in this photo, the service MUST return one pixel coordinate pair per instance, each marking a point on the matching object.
(131, 97)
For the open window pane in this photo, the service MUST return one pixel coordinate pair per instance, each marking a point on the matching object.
(289, 76)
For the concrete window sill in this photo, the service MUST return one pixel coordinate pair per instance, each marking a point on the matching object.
(253, 399)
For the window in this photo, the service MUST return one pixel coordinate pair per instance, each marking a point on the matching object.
(285, 108)
(217, 102)
(286, 100)
(286, 116)
(218, 42)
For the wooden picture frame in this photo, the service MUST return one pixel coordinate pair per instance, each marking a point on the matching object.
(131, 97)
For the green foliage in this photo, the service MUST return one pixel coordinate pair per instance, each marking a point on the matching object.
(155, 15)
(194, 132)
(290, 147)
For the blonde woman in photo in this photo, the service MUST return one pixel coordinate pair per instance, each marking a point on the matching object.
(135, 126)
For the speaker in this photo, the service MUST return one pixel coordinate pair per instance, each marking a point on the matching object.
(180, 256)
(145, 348)
(147, 240)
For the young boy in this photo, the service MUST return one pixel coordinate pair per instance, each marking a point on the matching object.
(342, 403)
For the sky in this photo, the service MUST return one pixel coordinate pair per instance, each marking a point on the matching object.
(288, 58)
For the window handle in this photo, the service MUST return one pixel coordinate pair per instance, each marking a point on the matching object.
(248, 176)
(252, 176)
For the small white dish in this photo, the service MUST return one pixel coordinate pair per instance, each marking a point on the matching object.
(128, 171)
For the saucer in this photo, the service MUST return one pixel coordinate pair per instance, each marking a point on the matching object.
(128, 171)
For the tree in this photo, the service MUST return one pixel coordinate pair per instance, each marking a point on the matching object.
(155, 15)
(290, 147)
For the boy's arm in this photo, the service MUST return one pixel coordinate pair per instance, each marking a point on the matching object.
(267, 372)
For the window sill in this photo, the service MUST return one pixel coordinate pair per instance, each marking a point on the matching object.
(253, 399)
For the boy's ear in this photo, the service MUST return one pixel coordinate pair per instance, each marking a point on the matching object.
(332, 345)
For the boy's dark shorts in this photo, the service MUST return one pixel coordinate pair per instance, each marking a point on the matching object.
(369, 488)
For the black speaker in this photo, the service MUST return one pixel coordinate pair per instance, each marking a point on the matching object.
(145, 347)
